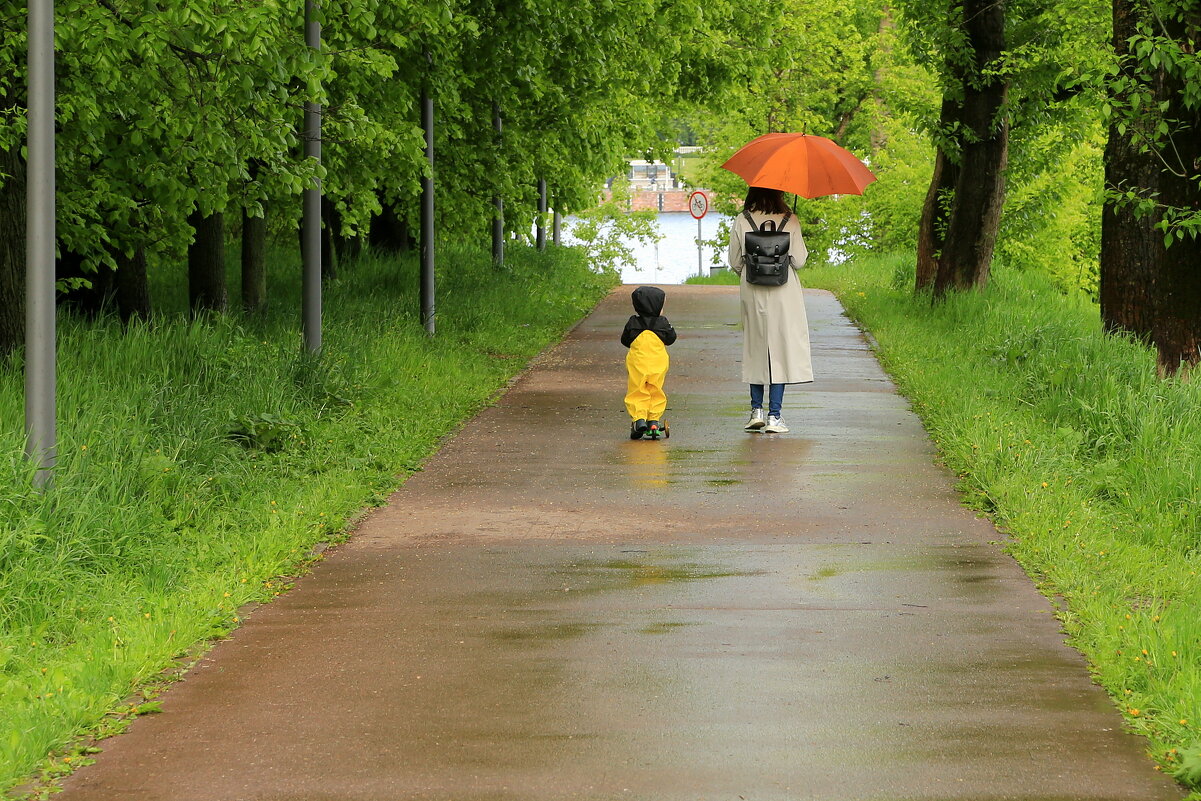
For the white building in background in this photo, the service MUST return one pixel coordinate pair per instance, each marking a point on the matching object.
(651, 176)
(655, 176)
(656, 185)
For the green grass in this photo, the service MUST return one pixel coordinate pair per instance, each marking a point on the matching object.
(723, 277)
(200, 462)
(1067, 439)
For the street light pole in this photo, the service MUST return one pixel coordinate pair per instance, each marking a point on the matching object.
(428, 281)
(41, 434)
(311, 224)
(540, 235)
(498, 202)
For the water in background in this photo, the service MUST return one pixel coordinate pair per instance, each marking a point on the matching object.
(673, 258)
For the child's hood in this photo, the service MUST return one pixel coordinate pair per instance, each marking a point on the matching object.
(648, 301)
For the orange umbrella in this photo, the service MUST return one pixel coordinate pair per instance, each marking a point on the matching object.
(809, 166)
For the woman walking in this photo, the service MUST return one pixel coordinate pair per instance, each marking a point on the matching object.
(775, 331)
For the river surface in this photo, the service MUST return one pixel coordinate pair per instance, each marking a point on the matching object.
(673, 258)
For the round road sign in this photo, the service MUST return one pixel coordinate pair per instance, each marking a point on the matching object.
(698, 204)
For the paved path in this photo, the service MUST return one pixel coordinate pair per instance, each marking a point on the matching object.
(550, 611)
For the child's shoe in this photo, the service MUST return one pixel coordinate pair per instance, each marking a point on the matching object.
(638, 428)
(756, 422)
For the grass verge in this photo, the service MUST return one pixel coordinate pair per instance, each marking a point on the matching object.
(1066, 438)
(723, 277)
(199, 462)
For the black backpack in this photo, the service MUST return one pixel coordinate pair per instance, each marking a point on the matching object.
(765, 252)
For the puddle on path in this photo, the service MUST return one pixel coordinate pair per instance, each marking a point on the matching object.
(550, 632)
(616, 574)
(664, 628)
(966, 574)
(722, 482)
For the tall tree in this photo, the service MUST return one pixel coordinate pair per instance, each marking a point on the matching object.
(206, 264)
(936, 209)
(963, 43)
(12, 249)
(975, 217)
(133, 289)
(1151, 228)
(254, 263)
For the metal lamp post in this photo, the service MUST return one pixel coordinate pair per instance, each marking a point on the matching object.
(498, 202)
(428, 281)
(41, 437)
(311, 224)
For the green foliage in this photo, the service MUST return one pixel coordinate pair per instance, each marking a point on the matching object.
(1067, 439)
(893, 79)
(167, 108)
(836, 70)
(609, 232)
(160, 526)
(886, 216)
(718, 278)
(798, 66)
(159, 109)
(1054, 57)
(263, 431)
(1155, 100)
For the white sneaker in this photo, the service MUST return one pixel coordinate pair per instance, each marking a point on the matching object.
(756, 422)
(775, 425)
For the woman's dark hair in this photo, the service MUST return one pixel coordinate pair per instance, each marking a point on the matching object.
(766, 201)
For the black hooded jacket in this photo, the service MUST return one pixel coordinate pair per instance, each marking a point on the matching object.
(648, 303)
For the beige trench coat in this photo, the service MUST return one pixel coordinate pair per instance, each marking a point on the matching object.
(775, 330)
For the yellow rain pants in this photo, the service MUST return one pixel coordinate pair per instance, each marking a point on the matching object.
(647, 365)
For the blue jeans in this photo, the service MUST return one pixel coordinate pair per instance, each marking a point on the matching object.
(775, 398)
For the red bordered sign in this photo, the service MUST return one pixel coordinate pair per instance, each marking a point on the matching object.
(698, 204)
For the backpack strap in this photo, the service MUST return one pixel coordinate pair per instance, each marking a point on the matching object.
(774, 227)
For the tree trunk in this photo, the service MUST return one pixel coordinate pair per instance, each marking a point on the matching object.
(12, 251)
(845, 119)
(980, 189)
(885, 34)
(132, 286)
(388, 233)
(1178, 333)
(206, 264)
(1147, 289)
(1129, 246)
(933, 227)
(349, 248)
(331, 222)
(89, 300)
(125, 288)
(254, 263)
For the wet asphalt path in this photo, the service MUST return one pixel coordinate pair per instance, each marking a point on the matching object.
(551, 611)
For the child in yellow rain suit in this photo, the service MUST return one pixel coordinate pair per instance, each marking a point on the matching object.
(647, 334)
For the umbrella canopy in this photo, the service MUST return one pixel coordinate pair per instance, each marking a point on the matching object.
(809, 166)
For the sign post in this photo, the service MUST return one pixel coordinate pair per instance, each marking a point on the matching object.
(698, 206)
